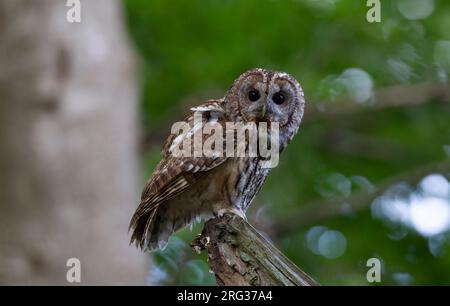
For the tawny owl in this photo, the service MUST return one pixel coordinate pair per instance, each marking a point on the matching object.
(184, 188)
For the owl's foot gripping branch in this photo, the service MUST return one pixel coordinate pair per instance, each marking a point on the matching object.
(239, 255)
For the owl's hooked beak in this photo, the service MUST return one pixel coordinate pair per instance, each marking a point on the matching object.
(263, 111)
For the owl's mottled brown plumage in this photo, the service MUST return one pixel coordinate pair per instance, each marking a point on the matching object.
(183, 189)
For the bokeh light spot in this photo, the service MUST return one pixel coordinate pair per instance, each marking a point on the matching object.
(415, 9)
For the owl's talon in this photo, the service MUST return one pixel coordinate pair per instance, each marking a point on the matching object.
(221, 212)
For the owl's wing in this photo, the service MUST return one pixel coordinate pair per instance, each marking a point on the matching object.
(173, 175)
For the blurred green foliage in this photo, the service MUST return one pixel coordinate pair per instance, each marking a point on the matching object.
(193, 50)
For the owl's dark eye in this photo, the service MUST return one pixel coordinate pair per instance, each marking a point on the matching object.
(278, 98)
(253, 95)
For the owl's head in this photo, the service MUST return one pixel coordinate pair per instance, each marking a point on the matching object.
(260, 95)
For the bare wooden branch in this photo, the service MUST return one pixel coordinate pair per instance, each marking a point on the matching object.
(393, 96)
(239, 255)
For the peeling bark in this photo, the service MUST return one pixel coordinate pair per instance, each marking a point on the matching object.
(240, 256)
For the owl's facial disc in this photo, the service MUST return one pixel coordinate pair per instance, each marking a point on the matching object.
(260, 95)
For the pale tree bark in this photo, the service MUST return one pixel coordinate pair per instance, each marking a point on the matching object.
(68, 151)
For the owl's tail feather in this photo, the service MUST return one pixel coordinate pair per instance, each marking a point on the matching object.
(152, 230)
(137, 226)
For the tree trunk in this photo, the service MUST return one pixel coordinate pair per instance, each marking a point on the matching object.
(68, 153)
(239, 256)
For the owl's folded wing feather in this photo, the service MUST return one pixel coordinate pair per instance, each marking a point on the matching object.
(173, 175)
